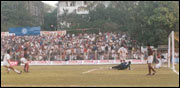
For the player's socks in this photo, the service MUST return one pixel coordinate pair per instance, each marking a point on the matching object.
(28, 68)
(154, 73)
(17, 71)
(20, 72)
(8, 69)
(110, 67)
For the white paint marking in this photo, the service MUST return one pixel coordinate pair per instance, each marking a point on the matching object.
(176, 72)
(93, 70)
(89, 71)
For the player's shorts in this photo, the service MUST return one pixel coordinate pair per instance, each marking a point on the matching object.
(24, 60)
(6, 64)
(150, 59)
(123, 57)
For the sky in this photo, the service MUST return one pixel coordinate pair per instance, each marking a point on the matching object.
(51, 2)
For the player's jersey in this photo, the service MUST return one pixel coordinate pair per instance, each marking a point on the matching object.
(6, 58)
(23, 60)
(125, 51)
(122, 50)
(159, 64)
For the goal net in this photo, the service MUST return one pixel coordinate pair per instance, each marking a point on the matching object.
(173, 50)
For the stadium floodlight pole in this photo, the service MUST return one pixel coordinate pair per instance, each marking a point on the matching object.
(173, 50)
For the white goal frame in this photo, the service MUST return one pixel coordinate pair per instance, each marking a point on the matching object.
(171, 46)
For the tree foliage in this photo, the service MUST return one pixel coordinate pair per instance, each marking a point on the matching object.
(145, 21)
(14, 14)
(50, 18)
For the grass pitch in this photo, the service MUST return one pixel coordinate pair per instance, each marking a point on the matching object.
(177, 67)
(99, 76)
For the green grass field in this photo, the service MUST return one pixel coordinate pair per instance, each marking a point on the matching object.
(177, 67)
(58, 76)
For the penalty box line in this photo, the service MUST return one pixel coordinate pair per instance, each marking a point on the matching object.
(89, 71)
(92, 70)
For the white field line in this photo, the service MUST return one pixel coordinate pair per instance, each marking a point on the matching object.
(87, 85)
(89, 71)
(172, 69)
(175, 71)
(92, 70)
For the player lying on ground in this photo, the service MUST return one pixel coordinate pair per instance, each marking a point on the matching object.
(124, 65)
(159, 64)
(6, 63)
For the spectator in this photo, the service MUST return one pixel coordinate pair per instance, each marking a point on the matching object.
(68, 47)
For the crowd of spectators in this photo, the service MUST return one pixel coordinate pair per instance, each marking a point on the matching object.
(101, 46)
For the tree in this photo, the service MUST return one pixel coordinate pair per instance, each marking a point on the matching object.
(14, 14)
(50, 18)
(153, 21)
(145, 21)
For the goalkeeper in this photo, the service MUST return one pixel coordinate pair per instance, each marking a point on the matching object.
(124, 65)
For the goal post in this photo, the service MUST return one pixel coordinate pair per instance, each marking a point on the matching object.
(171, 50)
(169, 45)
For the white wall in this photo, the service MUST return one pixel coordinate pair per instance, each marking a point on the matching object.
(62, 5)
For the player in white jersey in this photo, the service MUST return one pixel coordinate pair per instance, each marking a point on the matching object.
(123, 52)
(6, 63)
(159, 63)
